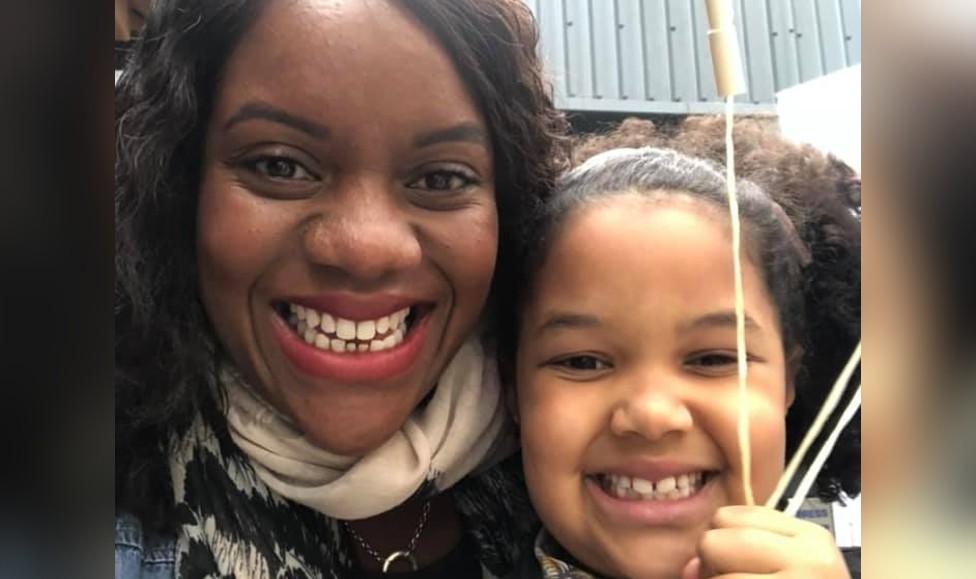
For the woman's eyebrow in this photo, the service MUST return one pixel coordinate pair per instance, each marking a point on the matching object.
(264, 111)
(725, 318)
(557, 320)
(464, 132)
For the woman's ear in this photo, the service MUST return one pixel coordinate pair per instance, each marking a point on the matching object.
(511, 401)
(506, 373)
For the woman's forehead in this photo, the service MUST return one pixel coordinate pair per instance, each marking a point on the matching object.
(371, 61)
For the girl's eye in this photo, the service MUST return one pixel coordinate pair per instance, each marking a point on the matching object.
(581, 363)
(443, 180)
(279, 169)
(714, 363)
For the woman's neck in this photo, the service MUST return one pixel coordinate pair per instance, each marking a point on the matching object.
(393, 530)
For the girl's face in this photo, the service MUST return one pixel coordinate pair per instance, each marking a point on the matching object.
(347, 226)
(627, 388)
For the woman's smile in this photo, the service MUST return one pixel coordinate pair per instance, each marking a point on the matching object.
(352, 338)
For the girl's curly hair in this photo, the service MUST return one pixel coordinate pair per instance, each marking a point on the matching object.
(821, 197)
(166, 351)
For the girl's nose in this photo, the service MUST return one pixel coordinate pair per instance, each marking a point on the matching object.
(651, 412)
(364, 232)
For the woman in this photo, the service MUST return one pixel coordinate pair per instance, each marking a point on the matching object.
(312, 198)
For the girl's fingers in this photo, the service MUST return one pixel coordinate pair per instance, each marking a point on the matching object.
(744, 550)
(763, 541)
(761, 518)
(692, 570)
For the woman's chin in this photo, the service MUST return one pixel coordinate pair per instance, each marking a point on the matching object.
(358, 441)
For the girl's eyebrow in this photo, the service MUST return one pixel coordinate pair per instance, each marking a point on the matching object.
(556, 320)
(720, 319)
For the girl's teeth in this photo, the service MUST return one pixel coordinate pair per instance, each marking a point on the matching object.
(383, 325)
(642, 486)
(665, 485)
(623, 484)
(670, 488)
(338, 345)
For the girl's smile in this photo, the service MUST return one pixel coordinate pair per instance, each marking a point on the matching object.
(656, 498)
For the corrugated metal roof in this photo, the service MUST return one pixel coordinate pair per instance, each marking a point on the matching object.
(651, 56)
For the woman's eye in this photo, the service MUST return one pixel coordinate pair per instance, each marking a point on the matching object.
(443, 180)
(280, 169)
(582, 363)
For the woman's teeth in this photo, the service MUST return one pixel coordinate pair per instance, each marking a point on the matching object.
(330, 333)
(667, 489)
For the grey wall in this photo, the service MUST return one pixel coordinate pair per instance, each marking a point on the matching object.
(651, 56)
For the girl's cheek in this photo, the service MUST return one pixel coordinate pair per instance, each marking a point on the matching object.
(548, 418)
(768, 440)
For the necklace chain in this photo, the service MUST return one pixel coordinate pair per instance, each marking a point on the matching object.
(411, 546)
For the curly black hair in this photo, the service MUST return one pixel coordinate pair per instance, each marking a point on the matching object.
(818, 303)
(166, 350)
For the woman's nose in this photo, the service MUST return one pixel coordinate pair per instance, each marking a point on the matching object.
(363, 231)
(653, 412)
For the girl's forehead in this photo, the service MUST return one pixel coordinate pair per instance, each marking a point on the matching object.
(629, 249)
(680, 211)
(649, 201)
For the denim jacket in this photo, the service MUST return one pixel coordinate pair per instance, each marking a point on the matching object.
(138, 556)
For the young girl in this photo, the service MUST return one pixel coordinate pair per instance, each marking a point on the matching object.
(626, 375)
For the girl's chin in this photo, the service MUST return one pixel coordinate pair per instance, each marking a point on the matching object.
(654, 562)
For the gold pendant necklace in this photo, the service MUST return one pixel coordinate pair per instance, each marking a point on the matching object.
(406, 554)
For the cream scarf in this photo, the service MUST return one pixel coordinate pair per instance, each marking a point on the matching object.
(462, 427)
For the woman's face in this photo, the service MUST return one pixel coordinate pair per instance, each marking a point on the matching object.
(347, 229)
(627, 384)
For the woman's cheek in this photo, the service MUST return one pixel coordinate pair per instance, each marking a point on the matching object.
(238, 239)
(464, 246)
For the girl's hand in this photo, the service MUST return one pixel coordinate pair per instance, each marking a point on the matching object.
(753, 541)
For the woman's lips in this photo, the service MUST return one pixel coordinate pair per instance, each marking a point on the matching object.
(356, 306)
(631, 512)
(352, 367)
